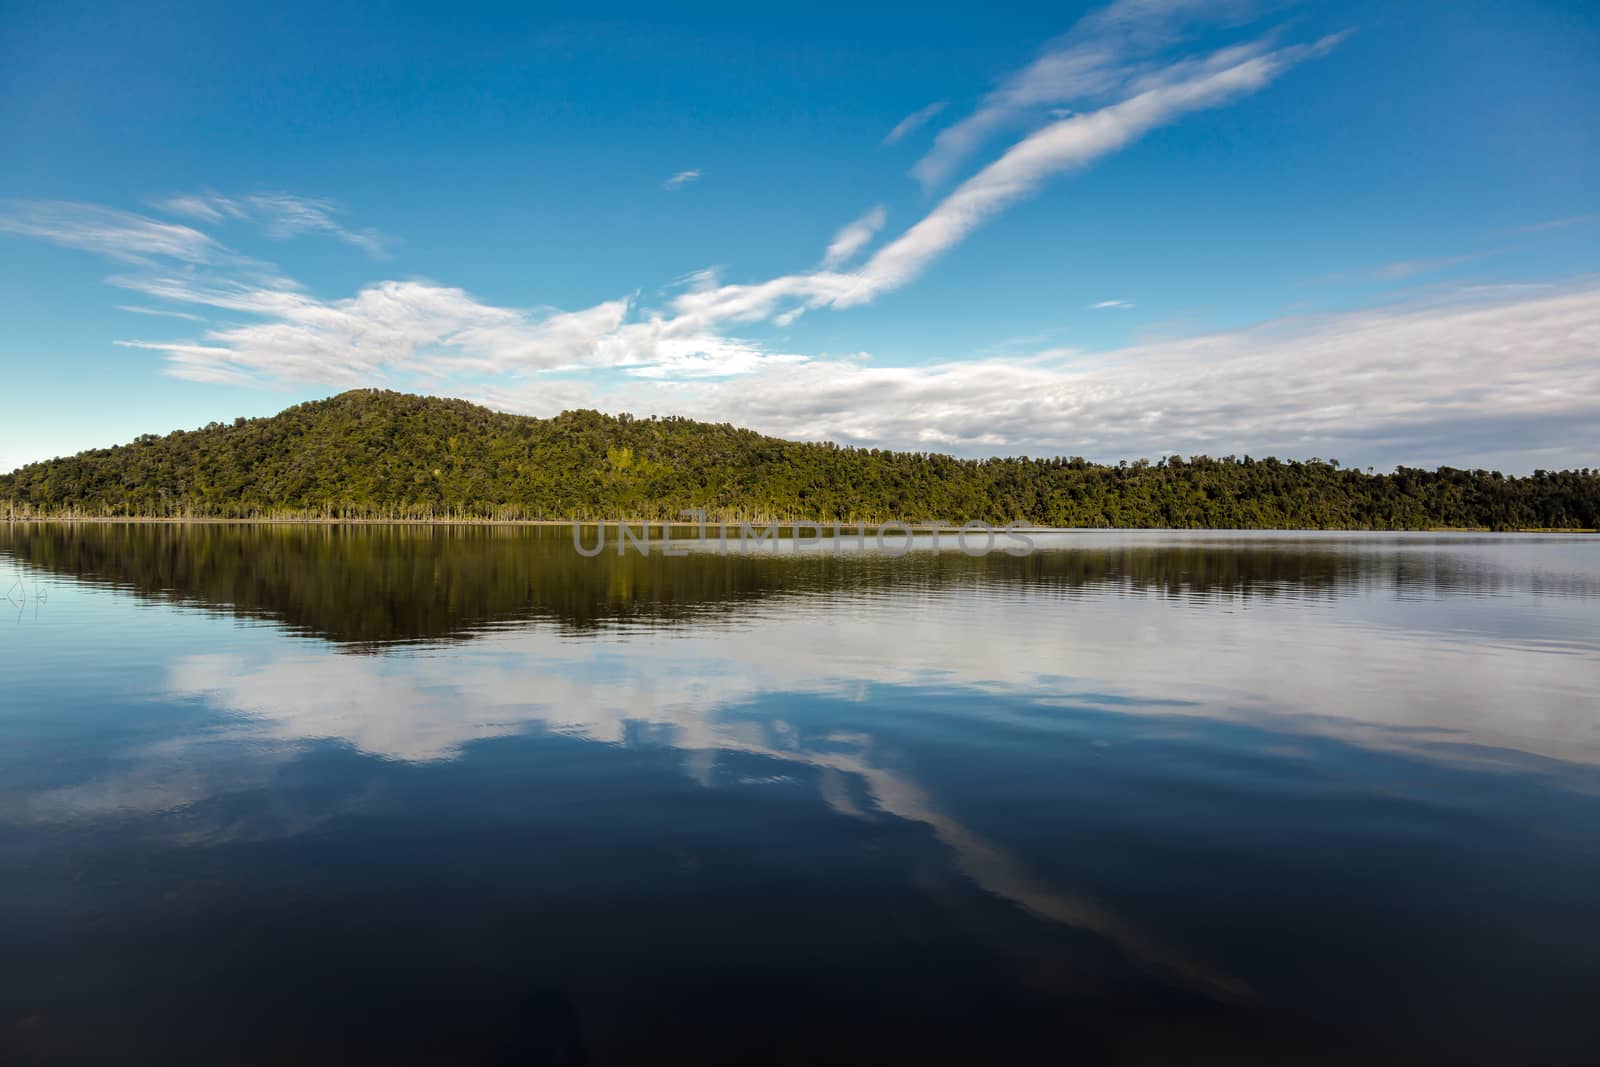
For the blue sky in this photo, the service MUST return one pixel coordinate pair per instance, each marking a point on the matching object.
(1363, 230)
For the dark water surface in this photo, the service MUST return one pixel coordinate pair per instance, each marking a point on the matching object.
(429, 795)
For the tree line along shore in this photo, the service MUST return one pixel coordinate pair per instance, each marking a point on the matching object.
(370, 455)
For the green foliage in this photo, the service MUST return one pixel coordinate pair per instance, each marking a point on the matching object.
(382, 455)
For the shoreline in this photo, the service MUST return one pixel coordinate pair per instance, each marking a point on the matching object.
(825, 527)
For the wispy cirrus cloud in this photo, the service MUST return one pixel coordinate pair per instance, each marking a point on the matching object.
(1105, 53)
(1110, 305)
(1555, 224)
(680, 179)
(165, 313)
(119, 235)
(1404, 269)
(914, 122)
(203, 207)
(280, 216)
(1400, 269)
(1064, 145)
(1071, 143)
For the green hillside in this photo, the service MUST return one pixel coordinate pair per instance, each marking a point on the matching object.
(384, 455)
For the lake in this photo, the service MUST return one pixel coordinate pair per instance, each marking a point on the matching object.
(459, 794)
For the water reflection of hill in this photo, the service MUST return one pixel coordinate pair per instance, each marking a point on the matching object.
(366, 586)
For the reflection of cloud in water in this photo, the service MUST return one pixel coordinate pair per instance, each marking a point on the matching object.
(683, 682)
(301, 697)
(1352, 669)
(323, 697)
(1001, 873)
(1333, 673)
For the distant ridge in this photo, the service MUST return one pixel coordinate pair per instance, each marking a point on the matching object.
(374, 454)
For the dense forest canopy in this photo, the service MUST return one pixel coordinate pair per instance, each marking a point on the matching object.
(384, 455)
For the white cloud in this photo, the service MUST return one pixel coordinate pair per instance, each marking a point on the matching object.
(1555, 224)
(853, 237)
(683, 177)
(119, 235)
(1402, 269)
(914, 122)
(1497, 378)
(161, 312)
(1106, 305)
(1410, 268)
(698, 280)
(427, 335)
(412, 328)
(203, 207)
(1067, 144)
(1074, 142)
(280, 215)
(284, 215)
(1105, 52)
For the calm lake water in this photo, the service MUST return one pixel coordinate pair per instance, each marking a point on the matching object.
(429, 795)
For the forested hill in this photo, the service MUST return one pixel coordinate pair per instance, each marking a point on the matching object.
(374, 454)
